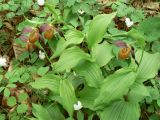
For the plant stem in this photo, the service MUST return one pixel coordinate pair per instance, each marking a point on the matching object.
(117, 35)
(140, 59)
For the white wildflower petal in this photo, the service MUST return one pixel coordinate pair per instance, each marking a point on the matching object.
(78, 106)
(3, 62)
(128, 22)
(40, 2)
(41, 55)
(74, 73)
(80, 12)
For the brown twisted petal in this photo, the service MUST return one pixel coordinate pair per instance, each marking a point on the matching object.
(34, 36)
(124, 53)
(48, 34)
(45, 27)
(24, 38)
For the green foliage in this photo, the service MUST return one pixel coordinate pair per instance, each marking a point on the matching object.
(121, 110)
(72, 37)
(40, 112)
(91, 72)
(11, 101)
(150, 27)
(22, 108)
(22, 97)
(98, 27)
(67, 94)
(124, 9)
(102, 53)
(138, 92)
(82, 63)
(50, 81)
(70, 58)
(148, 67)
(115, 87)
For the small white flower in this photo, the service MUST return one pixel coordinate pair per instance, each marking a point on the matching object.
(80, 12)
(3, 62)
(128, 22)
(74, 73)
(41, 55)
(78, 106)
(40, 2)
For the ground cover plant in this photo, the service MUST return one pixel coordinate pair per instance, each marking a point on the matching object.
(79, 60)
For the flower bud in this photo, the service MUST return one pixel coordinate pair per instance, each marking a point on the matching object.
(48, 31)
(27, 30)
(24, 38)
(120, 44)
(124, 53)
(34, 36)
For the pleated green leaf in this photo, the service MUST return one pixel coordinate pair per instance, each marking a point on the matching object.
(114, 87)
(87, 96)
(67, 94)
(49, 81)
(72, 37)
(137, 92)
(70, 58)
(91, 72)
(149, 65)
(40, 112)
(102, 53)
(121, 110)
(54, 112)
(97, 28)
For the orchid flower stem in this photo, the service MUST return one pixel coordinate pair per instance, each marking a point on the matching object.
(117, 35)
(140, 59)
(57, 18)
(45, 53)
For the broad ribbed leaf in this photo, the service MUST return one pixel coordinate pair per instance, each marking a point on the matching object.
(70, 58)
(98, 27)
(149, 65)
(150, 27)
(40, 112)
(137, 92)
(114, 87)
(72, 37)
(87, 96)
(49, 81)
(91, 72)
(55, 112)
(67, 95)
(121, 110)
(102, 53)
(137, 36)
